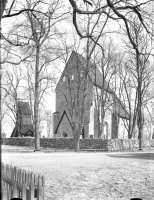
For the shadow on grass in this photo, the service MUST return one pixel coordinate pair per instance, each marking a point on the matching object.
(146, 156)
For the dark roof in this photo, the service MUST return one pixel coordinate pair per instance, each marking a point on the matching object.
(64, 113)
(97, 80)
(25, 128)
(119, 108)
(24, 108)
(94, 73)
(55, 112)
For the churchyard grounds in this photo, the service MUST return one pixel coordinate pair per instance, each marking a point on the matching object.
(90, 175)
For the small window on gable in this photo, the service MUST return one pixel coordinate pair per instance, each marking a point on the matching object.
(64, 134)
(63, 78)
(26, 120)
(72, 77)
(81, 74)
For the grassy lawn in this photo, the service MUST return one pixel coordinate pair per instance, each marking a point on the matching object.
(90, 176)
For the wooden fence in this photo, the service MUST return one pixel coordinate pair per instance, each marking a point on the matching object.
(19, 183)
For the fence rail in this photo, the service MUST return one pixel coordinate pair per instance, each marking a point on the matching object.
(19, 183)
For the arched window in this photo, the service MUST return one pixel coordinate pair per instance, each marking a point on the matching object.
(63, 78)
(81, 74)
(72, 77)
(105, 127)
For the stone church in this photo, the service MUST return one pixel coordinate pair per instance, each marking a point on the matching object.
(67, 94)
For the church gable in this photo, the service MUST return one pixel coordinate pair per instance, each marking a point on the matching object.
(72, 67)
(64, 127)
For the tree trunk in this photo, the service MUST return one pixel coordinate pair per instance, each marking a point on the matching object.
(139, 107)
(77, 142)
(2, 7)
(129, 134)
(36, 103)
(100, 131)
(129, 129)
(140, 124)
(0, 102)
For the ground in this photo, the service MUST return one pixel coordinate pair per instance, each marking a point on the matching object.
(90, 176)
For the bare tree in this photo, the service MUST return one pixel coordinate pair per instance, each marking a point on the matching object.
(141, 71)
(12, 88)
(116, 11)
(43, 29)
(119, 11)
(126, 91)
(36, 35)
(10, 56)
(105, 62)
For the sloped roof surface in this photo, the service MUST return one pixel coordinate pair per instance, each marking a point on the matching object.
(119, 108)
(97, 80)
(25, 128)
(94, 74)
(24, 108)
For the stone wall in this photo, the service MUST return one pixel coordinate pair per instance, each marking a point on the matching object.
(127, 144)
(20, 141)
(62, 143)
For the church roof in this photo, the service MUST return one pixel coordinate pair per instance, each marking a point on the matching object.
(97, 79)
(94, 73)
(25, 128)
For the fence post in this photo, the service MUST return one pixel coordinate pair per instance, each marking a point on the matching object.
(23, 193)
(39, 188)
(21, 172)
(26, 178)
(31, 188)
(11, 172)
(43, 187)
(8, 188)
(23, 177)
(4, 194)
(19, 176)
(15, 194)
